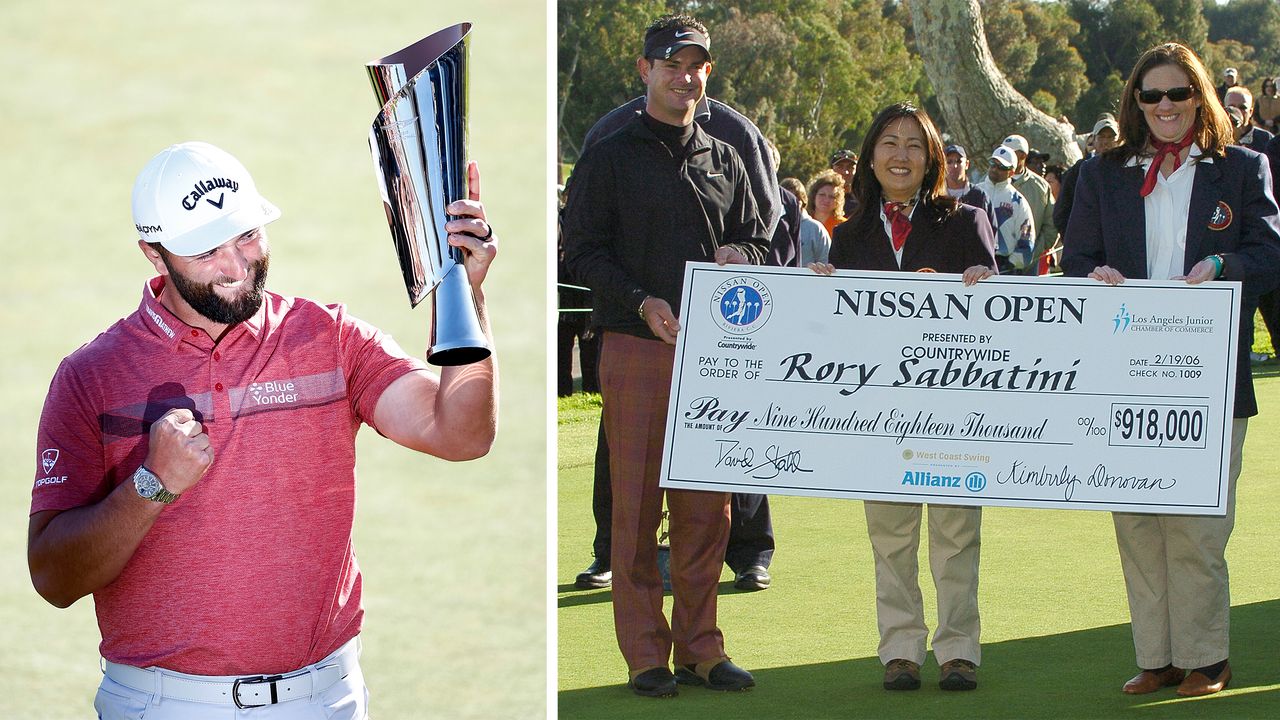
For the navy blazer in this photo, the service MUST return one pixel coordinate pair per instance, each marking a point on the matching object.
(938, 243)
(1108, 226)
(1273, 157)
(1259, 139)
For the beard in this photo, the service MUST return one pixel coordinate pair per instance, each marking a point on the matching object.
(203, 299)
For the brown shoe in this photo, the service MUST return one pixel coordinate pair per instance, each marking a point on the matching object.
(1197, 683)
(901, 674)
(1149, 681)
(958, 675)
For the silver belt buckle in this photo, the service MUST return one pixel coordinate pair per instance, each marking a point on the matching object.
(254, 680)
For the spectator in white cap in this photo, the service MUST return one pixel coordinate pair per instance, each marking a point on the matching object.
(1036, 191)
(1015, 228)
(1229, 78)
(1101, 139)
(196, 461)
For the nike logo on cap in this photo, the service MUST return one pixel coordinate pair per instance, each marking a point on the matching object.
(685, 34)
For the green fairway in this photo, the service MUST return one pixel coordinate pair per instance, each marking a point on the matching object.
(1056, 641)
(453, 555)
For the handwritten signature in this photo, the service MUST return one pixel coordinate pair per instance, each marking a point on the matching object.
(776, 460)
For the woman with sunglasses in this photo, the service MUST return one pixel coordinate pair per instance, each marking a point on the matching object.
(1175, 200)
(905, 221)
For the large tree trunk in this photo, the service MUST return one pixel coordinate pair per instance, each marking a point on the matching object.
(979, 106)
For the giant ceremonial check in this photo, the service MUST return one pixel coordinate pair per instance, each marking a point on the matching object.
(1030, 392)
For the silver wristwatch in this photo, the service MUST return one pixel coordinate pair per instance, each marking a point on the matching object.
(150, 488)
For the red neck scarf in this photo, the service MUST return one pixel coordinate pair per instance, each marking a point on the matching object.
(1174, 148)
(899, 222)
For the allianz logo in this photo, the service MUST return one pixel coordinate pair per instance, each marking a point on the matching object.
(974, 482)
(274, 392)
(928, 479)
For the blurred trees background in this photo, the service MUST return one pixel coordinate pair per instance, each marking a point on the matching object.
(811, 73)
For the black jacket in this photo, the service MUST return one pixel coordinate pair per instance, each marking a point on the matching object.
(721, 122)
(1066, 197)
(636, 213)
(938, 242)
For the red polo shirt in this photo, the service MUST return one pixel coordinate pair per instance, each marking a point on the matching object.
(252, 570)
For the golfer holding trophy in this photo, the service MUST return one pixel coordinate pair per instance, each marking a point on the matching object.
(195, 463)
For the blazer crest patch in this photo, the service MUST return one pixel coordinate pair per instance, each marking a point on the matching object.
(1221, 217)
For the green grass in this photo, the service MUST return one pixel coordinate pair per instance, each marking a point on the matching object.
(1261, 338)
(454, 556)
(1056, 641)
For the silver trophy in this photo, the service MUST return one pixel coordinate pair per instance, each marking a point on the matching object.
(419, 145)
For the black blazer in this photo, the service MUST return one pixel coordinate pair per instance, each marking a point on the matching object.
(941, 243)
(1108, 226)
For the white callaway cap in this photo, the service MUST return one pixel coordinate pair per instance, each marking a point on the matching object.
(192, 197)
(1004, 157)
(1017, 143)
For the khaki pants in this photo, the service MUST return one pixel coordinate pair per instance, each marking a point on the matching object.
(1175, 572)
(954, 544)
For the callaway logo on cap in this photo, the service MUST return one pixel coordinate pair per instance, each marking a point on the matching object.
(192, 197)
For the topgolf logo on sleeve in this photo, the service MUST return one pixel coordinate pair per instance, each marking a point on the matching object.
(48, 459)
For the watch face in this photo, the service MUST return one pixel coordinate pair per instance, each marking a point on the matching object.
(147, 484)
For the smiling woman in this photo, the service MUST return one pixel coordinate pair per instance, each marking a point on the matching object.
(1176, 200)
(906, 221)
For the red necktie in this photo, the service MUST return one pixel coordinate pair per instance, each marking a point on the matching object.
(899, 222)
(1165, 148)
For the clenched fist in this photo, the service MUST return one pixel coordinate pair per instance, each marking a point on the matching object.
(179, 452)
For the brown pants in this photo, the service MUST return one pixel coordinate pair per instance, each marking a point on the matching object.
(635, 379)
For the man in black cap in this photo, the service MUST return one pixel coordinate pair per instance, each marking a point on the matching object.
(642, 202)
(751, 541)
(845, 163)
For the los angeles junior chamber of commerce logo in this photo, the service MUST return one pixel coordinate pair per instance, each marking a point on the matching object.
(741, 305)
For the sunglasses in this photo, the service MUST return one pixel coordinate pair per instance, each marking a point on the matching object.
(1177, 94)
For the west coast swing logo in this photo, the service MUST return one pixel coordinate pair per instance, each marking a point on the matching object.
(741, 305)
